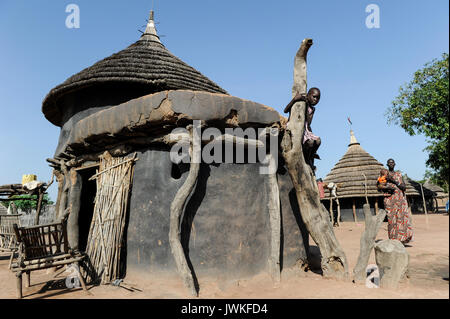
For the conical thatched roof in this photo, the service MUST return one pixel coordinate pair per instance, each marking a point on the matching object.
(146, 63)
(350, 169)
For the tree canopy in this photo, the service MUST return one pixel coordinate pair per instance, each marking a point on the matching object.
(422, 108)
(27, 202)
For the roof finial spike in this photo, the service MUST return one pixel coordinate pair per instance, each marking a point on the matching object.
(150, 33)
(352, 138)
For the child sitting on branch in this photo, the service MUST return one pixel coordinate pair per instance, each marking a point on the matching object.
(311, 142)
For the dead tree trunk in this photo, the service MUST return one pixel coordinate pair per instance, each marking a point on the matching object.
(176, 214)
(314, 214)
(372, 225)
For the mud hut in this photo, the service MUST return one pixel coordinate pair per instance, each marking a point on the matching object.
(131, 208)
(439, 196)
(356, 175)
(433, 196)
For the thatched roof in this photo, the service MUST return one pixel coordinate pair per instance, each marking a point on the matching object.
(144, 63)
(438, 191)
(3, 210)
(413, 188)
(350, 171)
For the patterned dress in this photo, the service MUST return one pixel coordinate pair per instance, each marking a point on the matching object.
(396, 206)
(308, 135)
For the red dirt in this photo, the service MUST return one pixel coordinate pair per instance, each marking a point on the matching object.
(429, 268)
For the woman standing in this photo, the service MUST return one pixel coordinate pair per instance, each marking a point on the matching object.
(396, 206)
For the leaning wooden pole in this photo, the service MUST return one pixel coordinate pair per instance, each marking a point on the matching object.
(39, 205)
(424, 205)
(314, 214)
(367, 241)
(176, 213)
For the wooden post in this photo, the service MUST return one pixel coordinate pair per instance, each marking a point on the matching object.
(424, 206)
(39, 205)
(365, 188)
(331, 210)
(354, 210)
(28, 281)
(80, 277)
(275, 222)
(338, 211)
(19, 284)
(423, 199)
(74, 203)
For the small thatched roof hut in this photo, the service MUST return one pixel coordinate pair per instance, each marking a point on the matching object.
(439, 195)
(438, 191)
(356, 174)
(354, 170)
(435, 197)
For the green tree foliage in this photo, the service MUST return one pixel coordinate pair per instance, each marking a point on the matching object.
(422, 108)
(27, 202)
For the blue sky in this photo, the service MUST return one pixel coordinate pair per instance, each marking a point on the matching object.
(245, 46)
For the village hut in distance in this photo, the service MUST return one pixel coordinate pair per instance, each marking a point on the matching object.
(439, 197)
(356, 174)
(133, 209)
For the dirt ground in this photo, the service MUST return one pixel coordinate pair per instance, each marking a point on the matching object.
(429, 272)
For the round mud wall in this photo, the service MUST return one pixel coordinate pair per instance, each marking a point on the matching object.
(225, 229)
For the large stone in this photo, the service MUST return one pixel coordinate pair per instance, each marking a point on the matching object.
(392, 260)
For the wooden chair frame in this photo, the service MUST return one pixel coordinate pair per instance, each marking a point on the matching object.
(8, 242)
(41, 247)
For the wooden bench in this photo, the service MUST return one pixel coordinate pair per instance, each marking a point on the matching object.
(41, 247)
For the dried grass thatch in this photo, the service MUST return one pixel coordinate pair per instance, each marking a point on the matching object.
(144, 63)
(438, 191)
(351, 169)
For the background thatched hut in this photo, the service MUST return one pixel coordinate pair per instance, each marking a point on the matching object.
(440, 197)
(129, 103)
(434, 196)
(356, 174)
